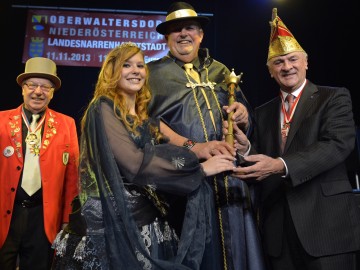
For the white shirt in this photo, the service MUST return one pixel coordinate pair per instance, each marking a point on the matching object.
(296, 93)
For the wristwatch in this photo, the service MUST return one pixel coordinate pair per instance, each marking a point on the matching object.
(189, 144)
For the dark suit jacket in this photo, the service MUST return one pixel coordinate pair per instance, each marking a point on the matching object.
(318, 191)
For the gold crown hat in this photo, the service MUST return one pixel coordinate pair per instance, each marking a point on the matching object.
(181, 11)
(40, 67)
(281, 40)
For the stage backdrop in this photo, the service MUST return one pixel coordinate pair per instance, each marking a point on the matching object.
(72, 38)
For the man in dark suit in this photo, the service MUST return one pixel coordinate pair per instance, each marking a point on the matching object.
(309, 216)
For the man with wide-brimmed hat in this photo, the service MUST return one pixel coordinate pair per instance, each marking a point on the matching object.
(38, 170)
(310, 218)
(190, 95)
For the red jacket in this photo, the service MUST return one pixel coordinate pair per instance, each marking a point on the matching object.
(59, 160)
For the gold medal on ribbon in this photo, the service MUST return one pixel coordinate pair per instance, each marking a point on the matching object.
(33, 141)
(285, 130)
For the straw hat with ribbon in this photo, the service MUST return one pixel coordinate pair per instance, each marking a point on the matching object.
(40, 67)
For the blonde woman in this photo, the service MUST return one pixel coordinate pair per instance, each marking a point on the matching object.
(129, 176)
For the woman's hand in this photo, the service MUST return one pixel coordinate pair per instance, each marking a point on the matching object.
(217, 164)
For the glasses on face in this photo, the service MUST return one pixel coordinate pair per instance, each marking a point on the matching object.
(44, 87)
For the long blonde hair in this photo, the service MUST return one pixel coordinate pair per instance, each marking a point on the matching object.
(108, 85)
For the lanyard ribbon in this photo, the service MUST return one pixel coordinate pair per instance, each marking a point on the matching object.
(288, 114)
(28, 125)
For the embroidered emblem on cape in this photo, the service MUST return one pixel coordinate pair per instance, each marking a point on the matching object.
(178, 162)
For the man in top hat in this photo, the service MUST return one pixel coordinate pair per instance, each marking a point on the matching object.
(38, 170)
(194, 104)
(310, 219)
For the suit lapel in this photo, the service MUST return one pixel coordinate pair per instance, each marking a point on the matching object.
(14, 130)
(305, 102)
(277, 131)
(50, 130)
(272, 118)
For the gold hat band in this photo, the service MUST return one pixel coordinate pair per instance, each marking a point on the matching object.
(181, 13)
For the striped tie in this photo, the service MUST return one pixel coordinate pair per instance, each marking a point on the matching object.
(290, 102)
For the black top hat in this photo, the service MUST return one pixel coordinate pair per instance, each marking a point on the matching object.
(181, 11)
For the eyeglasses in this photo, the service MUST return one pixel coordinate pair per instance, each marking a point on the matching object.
(44, 87)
